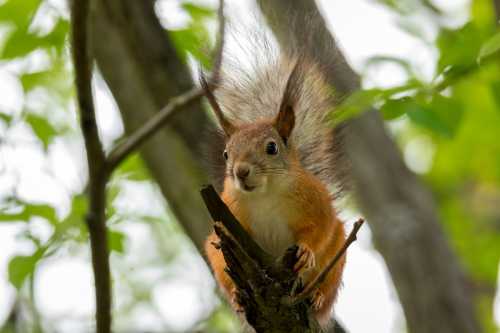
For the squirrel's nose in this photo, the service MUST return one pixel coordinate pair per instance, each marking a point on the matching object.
(242, 171)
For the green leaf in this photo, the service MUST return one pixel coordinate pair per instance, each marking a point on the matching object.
(133, 168)
(198, 12)
(116, 241)
(56, 80)
(442, 115)
(460, 47)
(74, 224)
(79, 207)
(33, 80)
(18, 12)
(356, 103)
(490, 47)
(42, 128)
(20, 43)
(395, 108)
(6, 118)
(23, 41)
(29, 211)
(21, 267)
(58, 36)
(191, 40)
(361, 100)
(194, 38)
(45, 211)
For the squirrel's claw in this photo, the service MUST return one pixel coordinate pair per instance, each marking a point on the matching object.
(305, 259)
(317, 300)
(234, 301)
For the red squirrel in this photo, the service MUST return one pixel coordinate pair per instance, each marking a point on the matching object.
(277, 154)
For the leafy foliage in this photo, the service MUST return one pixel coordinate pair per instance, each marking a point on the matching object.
(21, 267)
(458, 111)
(490, 47)
(42, 128)
(194, 37)
(24, 211)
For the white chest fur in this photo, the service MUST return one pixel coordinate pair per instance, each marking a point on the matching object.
(269, 225)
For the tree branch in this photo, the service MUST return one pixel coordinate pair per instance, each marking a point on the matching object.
(401, 212)
(134, 141)
(96, 220)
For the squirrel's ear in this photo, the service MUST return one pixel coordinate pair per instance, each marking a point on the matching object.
(227, 127)
(285, 120)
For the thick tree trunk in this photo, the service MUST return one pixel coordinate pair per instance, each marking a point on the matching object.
(143, 71)
(400, 211)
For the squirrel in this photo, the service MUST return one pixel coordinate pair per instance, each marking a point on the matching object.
(275, 157)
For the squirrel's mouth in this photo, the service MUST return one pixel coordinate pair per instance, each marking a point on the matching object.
(248, 188)
(242, 185)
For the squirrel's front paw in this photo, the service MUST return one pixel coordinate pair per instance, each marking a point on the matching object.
(234, 301)
(317, 300)
(305, 259)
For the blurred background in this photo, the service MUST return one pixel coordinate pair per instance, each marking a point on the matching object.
(160, 282)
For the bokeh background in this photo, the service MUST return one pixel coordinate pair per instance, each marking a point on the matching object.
(161, 284)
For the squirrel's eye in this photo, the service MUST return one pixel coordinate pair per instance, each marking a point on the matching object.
(226, 156)
(272, 148)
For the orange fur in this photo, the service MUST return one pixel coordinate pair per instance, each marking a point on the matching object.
(313, 224)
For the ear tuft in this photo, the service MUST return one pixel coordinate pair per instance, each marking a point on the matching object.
(285, 120)
(227, 127)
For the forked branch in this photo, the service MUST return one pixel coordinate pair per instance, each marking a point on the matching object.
(96, 220)
(100, 167)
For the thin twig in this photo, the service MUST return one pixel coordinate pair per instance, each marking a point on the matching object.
(136, 139)
(96, 220)
(313, 285)
(121, 151)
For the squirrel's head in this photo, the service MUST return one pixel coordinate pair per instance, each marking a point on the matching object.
(258, 155)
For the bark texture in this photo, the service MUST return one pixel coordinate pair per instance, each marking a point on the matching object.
(96, 162)
(401, 213)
